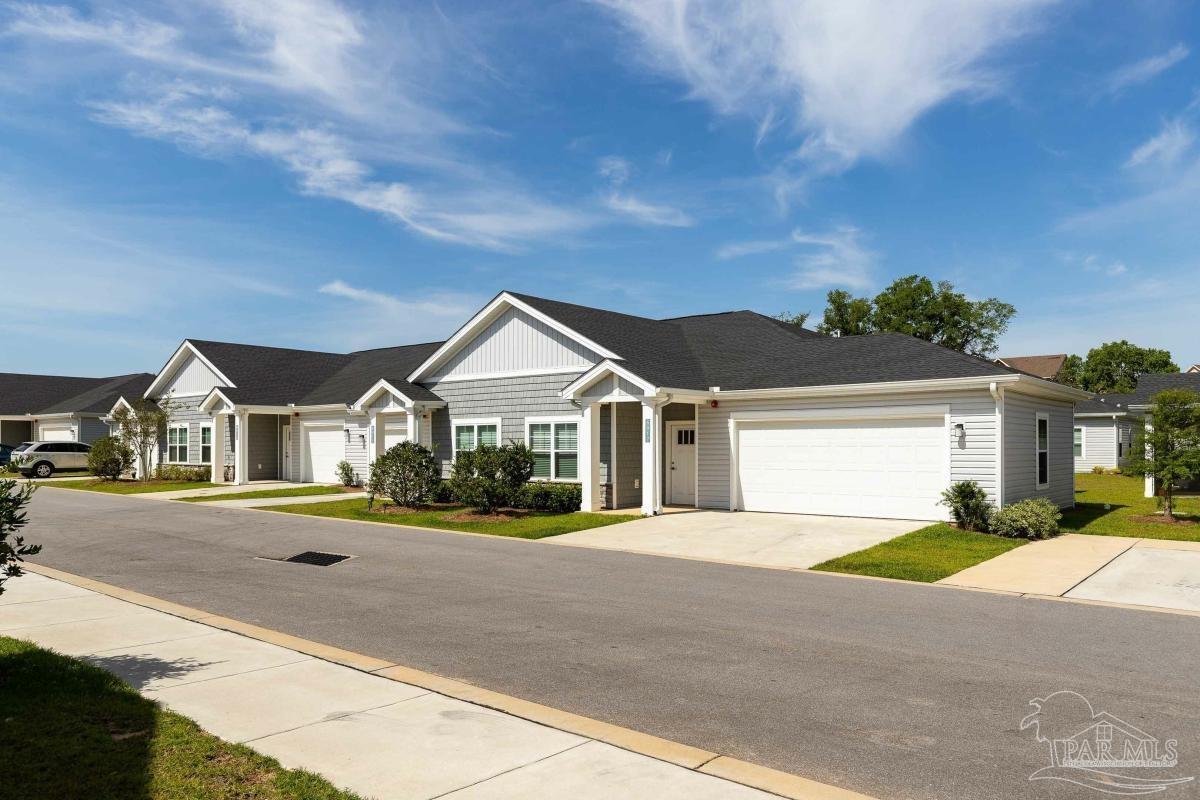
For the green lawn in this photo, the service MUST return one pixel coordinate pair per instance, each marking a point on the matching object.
(298, 491)
(926, 555)
(72, 730)
(131, 487)
(537, 525)
(1123, 495)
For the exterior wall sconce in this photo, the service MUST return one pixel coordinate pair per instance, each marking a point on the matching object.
(362, 440)
(347, 430)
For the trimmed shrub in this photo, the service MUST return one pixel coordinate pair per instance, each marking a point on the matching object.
(489, 477)
(109, 458)
(182, 472)
(441, 493)
(1097, 470)
(545, 496)
(407, 474)
(969, 505)
(346, 474)
(1027, 519)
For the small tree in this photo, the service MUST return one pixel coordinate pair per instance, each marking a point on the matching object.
(346, 473)
(489, 477)
(13, 499)
(141, 425)
(109, 458)
(407, 473)
(1167, 447)
(968, 504)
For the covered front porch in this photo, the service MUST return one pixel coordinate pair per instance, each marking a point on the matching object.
(15, 429)
(637, 444)
(249, 444)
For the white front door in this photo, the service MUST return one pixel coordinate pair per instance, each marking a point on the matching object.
(861, 468)
(324, 447)
(681, 464)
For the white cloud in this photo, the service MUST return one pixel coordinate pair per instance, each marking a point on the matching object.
(370, 318)
(1166, 148)
(648, 213)
(741, 249)
(614, 169)
(1145, 69)
(850, 78)
(1113, 269)
(834, 258)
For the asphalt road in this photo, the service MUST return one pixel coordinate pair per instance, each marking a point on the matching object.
(895, 690)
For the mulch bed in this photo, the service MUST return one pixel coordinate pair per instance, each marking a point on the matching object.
(1159, 519)
(498, 515)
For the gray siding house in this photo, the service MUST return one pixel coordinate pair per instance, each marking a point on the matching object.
(60, 408)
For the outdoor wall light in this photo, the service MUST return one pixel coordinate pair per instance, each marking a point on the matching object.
(347, 436)
(960, 430)
(362, 440)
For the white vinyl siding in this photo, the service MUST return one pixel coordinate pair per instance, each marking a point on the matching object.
(972, 456)
(1020, 449)
(517, 343)
(192, 378)
(1099, 443)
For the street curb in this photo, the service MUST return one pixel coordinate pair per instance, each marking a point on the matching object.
(735, 770)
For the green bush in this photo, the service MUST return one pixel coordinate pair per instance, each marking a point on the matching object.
(109, 458)
(546, 496)
(489, 477)
(346, 473)
(182, 472)
(14, 500)
(1097, 470)
(969, 505)
(407, 474)
(441, 493)
(1027, 519)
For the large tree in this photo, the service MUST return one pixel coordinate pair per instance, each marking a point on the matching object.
(917, 306)
(1168, 445)
(1115, 367)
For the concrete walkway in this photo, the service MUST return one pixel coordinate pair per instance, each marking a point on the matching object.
(790, 541)
(266, 502)
(1156, 573)
(373, 735)
(217, 490)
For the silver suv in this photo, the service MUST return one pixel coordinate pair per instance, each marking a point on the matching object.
(43, 459)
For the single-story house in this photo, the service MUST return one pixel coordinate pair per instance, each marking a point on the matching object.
(1103, 432)
(1047, 367)
(733, 411)
(1141, 400)
(1194, 368)
(60, 407)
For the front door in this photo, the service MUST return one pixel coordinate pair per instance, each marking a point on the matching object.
(287, 453)
(681, 466)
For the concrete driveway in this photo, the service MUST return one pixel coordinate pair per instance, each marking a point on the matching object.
(792, 541)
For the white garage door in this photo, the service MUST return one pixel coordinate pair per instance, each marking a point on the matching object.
(395, 432)
(861, 468)
(55, 433)
(324, 447)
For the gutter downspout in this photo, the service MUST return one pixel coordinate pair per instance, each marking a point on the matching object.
(997, 392)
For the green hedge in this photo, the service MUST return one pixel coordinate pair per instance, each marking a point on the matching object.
(545, 496)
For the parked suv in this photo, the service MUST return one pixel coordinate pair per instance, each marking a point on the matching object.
(43, 459)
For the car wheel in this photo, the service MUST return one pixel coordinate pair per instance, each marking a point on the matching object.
(43, 469)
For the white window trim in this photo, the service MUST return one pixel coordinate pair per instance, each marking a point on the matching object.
(204, 428)
(187, 444)
(1082, 441)
(1037, 451)
(476, 422)
(552, 421)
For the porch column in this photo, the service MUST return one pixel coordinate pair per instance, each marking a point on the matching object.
(1149, 478)
(217, 472)
(651, 416)
(241, 459)
(413, 418)
(589, 456)
(377, 438)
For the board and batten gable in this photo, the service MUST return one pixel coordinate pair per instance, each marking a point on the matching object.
(515, 342)
(1020, 449)
(193, 377)
(972, 457)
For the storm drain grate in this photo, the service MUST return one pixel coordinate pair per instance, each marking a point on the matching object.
(316, 559)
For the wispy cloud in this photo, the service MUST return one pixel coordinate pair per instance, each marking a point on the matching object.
(617, 171)
(836, 257)
(1165, 148)
(1112, 269)
(742, 249)
(851, 78)
(371, 318)
(1144, 70)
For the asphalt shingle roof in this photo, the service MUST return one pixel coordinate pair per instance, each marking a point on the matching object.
(1151, 384)
(1104, 404)
(746, 350)
(1038, 366)
(60, 394)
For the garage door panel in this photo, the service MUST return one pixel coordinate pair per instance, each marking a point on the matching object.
(324, 447)
(55, 433)
(879, 468)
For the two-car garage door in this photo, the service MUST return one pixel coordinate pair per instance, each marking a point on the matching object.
(860, 467)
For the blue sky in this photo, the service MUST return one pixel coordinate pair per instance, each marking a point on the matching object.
(334, 175)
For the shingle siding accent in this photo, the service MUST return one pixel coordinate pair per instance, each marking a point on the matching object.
(1020, 450)
(1099, 443)
(91, 429)
(510, 399)
(972, 458)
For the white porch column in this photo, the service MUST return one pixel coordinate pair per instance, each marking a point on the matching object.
(413, 418)
(217, 473)
(377, 438)
(651, 417)
(242, 457)
(589, 457)
(1149, 478)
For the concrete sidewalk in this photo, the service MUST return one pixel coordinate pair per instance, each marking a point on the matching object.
(267, 502)
(374, 735)
(231, 488)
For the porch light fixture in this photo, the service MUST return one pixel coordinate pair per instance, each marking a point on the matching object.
(960, 431)
(362, 440)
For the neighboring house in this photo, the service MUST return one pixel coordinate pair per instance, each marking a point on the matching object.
(1047, 367)
(1140, 401)
(1103, 432)
(60, 408)
(1194, 368)
(732, 411)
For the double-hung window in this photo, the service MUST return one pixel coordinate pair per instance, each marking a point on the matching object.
(177, 444)
(1043, 450)
(1079, 442)
(206, 444)
(471, 433)
(555, 445)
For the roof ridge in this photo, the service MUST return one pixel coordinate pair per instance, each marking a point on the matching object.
(267, 347)
(394, 347)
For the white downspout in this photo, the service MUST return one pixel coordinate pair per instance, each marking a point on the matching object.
(997, 392)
